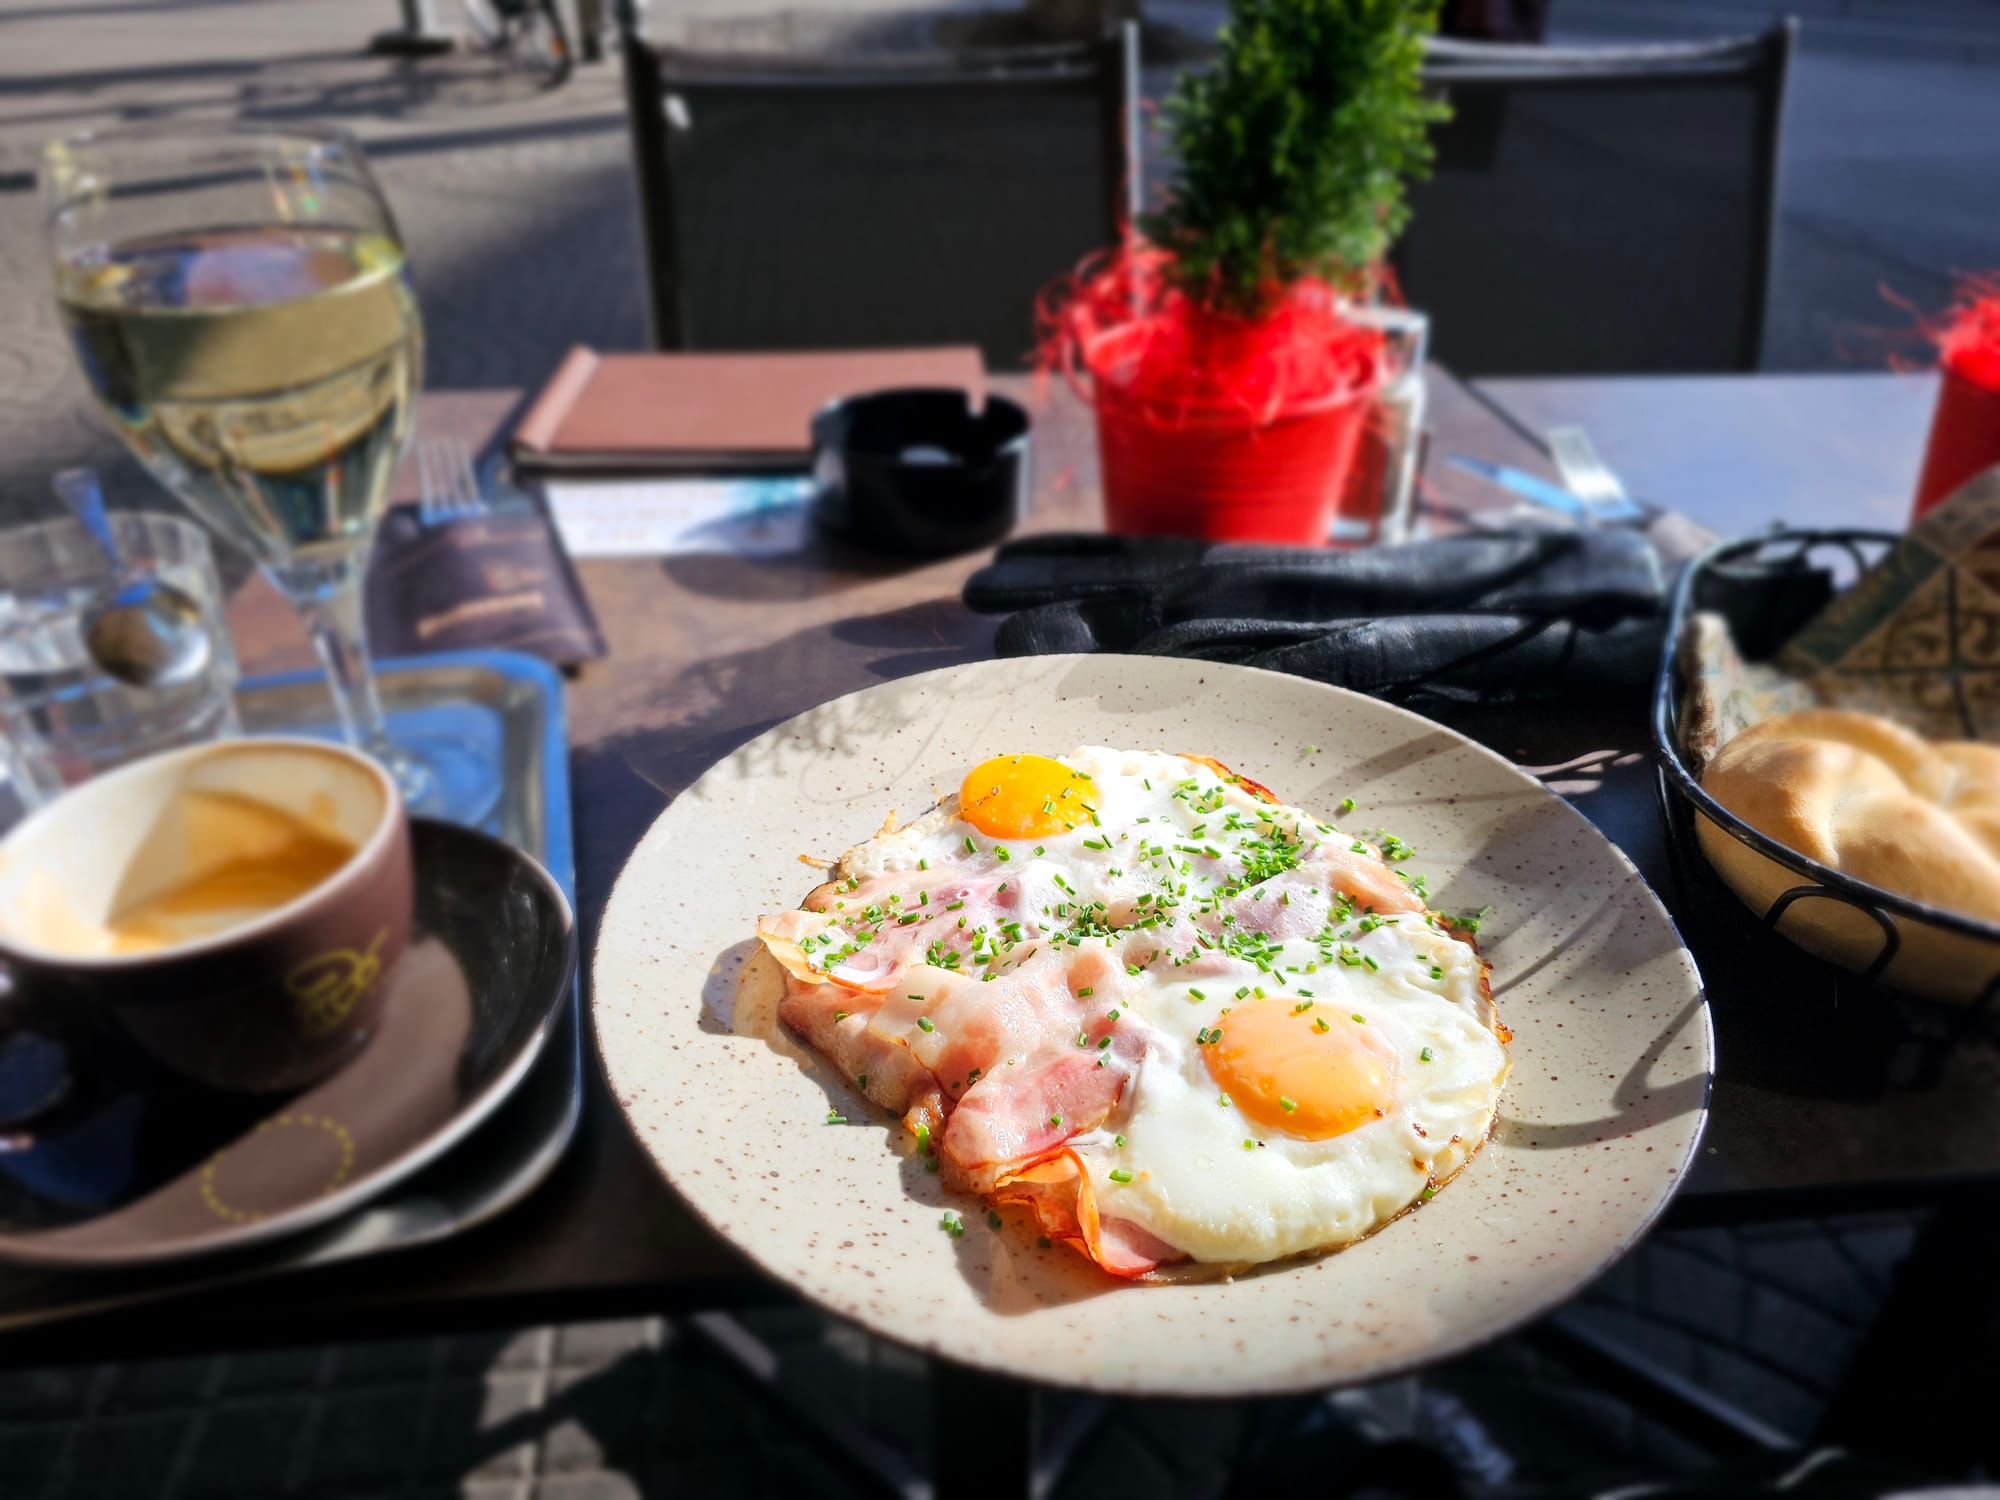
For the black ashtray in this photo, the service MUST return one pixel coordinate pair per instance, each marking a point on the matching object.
(919, 471)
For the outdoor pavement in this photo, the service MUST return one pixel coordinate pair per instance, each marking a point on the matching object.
(518, 211)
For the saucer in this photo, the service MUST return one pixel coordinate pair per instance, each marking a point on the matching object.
(142, 1166)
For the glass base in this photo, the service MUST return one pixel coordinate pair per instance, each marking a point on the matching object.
(444, 778)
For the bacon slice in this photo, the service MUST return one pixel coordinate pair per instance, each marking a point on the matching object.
(1058, 1192)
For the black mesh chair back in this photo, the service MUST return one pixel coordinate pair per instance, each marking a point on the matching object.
(878, 200)
(1599, 210)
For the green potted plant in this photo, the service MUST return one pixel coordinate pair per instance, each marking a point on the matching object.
(1229, 381)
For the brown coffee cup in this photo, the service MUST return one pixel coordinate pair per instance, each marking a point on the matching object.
(289, 861)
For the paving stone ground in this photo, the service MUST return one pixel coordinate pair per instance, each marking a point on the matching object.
(1768, 1319)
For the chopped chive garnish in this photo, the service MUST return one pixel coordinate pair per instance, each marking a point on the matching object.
(840, 1015)
(1287, 1104)
(1118, 1140)
(924, 1024)
(923, 864)
(1429, 1193)
(1103, 1042)
(1346, 805)
(952, 1224)
(861, 1080)
(1195, 993)
(1248, 1144)
(1370, 962)
(1056, 1121)
(1320, 1024)
(970, 847)
(1357, 1016)
(1119, 1174)
(835, 1117)
(1425, 1055)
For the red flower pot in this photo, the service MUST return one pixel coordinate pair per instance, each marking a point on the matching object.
(1226, 473)
(1964, 441)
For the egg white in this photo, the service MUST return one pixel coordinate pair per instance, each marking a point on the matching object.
(1197, 1187)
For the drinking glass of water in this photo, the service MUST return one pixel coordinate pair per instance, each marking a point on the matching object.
(238, 300)
(62, 718)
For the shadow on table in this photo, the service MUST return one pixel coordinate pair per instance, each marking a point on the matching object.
(821, 566)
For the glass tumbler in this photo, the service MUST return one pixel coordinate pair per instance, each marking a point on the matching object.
(63, 719)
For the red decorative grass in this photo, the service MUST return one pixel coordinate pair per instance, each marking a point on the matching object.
(1122, 319)
(1968, 336)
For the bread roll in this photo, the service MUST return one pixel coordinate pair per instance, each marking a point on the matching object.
(1867, 797)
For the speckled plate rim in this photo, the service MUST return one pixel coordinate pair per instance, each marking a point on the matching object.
(629, 988)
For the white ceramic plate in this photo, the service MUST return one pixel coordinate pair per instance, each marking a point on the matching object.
(1611, 1047)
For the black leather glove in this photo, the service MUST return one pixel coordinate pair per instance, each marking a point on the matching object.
(1476, 618)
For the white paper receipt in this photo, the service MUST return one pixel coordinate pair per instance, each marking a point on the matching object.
(764, 516)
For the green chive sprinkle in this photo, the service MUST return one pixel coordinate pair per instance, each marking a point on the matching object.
(924, 1024)
(1248, 1144)
(1347, 805)
(835, 1117)
(1287, 1104)
(970, 847)
(1425, 1055)
(840, 1015)
(1320, 1025)
(952, 1224)
(1119, 1174)
(923, 864)
(1428, 1193)
(862, 1080)
(1118, 1140)
(1086, 992)
(1056, 1121)
(1357, 1016)
(1196, 994)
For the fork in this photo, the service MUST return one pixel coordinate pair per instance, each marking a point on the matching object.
(1588, 477)
(447, 486)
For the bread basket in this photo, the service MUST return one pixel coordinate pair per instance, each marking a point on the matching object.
(1757, 584)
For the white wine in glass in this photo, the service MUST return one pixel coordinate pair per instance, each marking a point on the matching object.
(239, 303)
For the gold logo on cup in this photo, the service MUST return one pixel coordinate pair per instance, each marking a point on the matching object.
(325, 988)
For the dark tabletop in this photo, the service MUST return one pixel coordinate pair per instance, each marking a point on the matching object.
(1817, 1104)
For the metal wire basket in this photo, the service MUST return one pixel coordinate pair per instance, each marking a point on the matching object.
(1885, 938)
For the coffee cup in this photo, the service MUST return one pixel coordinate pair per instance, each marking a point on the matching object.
(235, 909)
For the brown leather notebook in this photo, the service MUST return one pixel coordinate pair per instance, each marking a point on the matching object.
(713, 413)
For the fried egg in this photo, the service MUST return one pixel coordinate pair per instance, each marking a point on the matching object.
(1175, 1018)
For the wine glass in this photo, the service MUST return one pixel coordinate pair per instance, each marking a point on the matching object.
(239, 302)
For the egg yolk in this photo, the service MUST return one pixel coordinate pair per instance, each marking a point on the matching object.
(1281, 1070)
(1025, 797)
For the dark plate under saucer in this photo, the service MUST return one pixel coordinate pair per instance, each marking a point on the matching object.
(142, 1167)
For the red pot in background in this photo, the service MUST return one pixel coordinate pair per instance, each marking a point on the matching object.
(1964, 440)
(1225, 474)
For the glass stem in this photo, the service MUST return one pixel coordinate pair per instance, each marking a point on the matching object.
(328, 597)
